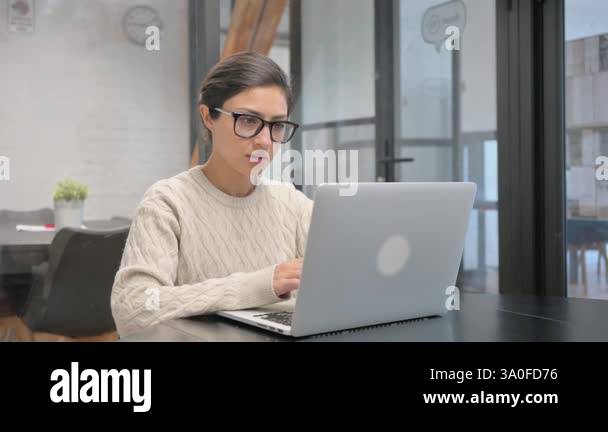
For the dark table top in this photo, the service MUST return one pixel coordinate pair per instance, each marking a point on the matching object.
(10, 237)
(482, 317)
(22, 248)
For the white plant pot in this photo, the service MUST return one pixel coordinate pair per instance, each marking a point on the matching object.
(68, 214)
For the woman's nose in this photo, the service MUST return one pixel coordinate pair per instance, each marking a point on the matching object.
(263, 138)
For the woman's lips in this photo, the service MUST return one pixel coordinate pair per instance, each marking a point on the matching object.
(255, 159)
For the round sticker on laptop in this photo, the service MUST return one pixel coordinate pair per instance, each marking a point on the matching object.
(393, 255)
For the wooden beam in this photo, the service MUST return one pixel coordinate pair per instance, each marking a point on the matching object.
(266, 31)
(253, 27)
(243, 23)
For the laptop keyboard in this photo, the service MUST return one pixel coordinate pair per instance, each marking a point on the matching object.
(278, 317)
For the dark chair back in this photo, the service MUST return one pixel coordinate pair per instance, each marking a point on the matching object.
(73, 296)
(105, 224)
(584, 232)
(121, 220)
(16, 285)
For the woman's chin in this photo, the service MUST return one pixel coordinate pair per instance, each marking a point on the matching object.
(249, 170)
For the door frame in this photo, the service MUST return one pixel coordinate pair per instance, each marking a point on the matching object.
(531, 131)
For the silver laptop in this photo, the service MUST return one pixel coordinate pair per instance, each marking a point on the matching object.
(388, 253)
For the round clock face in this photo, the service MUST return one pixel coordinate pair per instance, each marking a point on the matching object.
(137, 20)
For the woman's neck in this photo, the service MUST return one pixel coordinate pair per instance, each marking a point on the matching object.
(225, 178)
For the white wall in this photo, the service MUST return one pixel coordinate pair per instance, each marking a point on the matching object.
(337, 60)
(79, 100)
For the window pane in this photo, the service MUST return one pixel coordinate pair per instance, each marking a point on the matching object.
(586, 48)
(338, 87)
(337, 60)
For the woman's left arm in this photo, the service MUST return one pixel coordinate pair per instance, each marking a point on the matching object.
(304, 206)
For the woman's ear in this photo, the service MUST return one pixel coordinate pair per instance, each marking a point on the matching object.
(206, 116)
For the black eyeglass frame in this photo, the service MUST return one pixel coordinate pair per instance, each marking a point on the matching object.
(263, 124)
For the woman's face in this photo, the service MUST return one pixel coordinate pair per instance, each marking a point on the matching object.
(268, 103)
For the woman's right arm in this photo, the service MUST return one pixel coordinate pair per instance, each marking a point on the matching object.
(144, 293)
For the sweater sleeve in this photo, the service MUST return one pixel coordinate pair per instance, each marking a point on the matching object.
(304, 206)
(144, 291)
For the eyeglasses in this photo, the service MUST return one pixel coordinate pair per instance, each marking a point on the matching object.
(249, 125)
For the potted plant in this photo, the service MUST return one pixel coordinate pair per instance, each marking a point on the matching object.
(69, 198)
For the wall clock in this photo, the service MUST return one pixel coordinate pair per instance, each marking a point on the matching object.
(137, 19)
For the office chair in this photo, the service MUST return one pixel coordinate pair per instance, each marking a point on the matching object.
(71, 293)
(28, 217)
(121, 220)
(584, 236)
(16, 285)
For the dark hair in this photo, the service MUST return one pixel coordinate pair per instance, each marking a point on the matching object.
(240, 72)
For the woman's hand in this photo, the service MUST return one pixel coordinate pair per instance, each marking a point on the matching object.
(287, 277)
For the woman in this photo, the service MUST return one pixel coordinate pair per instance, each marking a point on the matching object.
(213, 237)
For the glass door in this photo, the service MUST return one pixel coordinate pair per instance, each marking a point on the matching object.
(445, 119)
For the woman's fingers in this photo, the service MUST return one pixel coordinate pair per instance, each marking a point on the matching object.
(287, 276)
(284, 286)
(289, 267)
(290, 285)
(290, 273)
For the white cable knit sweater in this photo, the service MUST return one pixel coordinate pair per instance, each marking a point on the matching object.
(192, 249)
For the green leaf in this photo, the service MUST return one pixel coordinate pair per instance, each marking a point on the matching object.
(70, 190)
